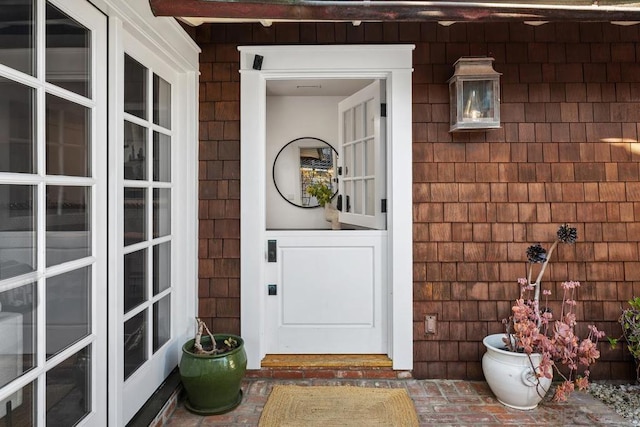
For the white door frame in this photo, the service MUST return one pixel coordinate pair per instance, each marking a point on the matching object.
(169, 44)
(390, 62)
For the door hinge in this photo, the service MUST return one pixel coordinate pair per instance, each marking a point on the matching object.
(383, 205)
(383, 110)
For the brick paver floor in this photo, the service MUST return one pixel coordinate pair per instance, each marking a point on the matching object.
(437, 402)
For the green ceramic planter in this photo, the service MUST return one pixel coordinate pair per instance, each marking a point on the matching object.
(212, 382)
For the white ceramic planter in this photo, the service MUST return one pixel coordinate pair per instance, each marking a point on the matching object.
(510, 375)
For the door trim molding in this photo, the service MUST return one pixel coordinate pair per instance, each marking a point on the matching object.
(391, 62)
(167, 43)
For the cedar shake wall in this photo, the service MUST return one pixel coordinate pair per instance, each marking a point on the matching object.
(566, 152)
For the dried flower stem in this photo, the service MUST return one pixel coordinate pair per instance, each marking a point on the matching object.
(202, 327)
(536, 284)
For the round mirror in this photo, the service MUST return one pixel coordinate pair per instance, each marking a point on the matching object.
(301, 163)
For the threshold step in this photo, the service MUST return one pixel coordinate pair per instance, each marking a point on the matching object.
(303, 361)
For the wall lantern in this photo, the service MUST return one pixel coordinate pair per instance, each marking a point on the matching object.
(474, 95)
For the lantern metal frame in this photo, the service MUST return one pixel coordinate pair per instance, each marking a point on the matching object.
(474, 95)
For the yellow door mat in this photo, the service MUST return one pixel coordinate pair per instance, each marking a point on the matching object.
(326, 406)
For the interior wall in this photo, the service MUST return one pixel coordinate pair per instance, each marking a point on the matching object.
(289, 118)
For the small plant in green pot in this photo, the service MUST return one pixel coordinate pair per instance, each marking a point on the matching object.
(212, 368)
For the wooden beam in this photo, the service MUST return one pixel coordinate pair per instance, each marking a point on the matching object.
(337, 10)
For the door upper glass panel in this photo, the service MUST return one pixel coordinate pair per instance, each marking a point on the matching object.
(68, 53)
(17, 35)
(135, 151)
(135, 88)
(17, 144)
(363, 158)
(161, 102)
(68, 130)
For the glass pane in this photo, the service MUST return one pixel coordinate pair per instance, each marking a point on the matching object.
(370, 158)
(68, 223)
(348, 125)
(68, 129)
(18, 332)
(356, 201)
(68, 53)
(369, 117)
(478, 99)
(161, 322)
(135, 338)
(21, 410)
(348, 160)
(357, 159)
(161, 267)
(135, 220)
(135, 88)
(135, 151)
(68, 390)
(358, 119)
(161, 102)
(161, 212)
(371, 197)
(68, 305)
(161, 157)
(17, 35)
(17, 145)
(135, 279)
(17, 230)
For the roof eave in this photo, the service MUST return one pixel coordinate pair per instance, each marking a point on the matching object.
(397, 11)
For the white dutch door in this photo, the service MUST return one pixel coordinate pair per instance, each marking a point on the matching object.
(330, 286)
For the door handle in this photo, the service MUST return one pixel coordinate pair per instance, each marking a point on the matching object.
(348, 205)
(271, 251)
(339, 202)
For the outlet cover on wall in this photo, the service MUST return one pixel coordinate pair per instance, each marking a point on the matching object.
(430, 324)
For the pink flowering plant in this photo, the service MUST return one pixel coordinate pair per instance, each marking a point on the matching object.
(532, 328)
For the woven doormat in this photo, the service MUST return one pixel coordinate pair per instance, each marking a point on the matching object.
(307, 406)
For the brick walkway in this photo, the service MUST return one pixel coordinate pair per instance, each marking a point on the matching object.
(437, 402)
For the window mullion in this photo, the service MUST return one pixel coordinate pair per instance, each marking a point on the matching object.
(40, 211)
(149, 259)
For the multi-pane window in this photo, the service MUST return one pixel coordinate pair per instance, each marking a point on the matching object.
(147, 191)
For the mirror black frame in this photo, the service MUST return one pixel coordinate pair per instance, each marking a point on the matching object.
(275, 161)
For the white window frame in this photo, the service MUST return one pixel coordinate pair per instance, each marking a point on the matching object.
(390, 62)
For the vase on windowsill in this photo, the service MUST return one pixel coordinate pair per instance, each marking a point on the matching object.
(331, 215)
(323, 195)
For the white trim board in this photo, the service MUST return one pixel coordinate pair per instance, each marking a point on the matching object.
(390, 62)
